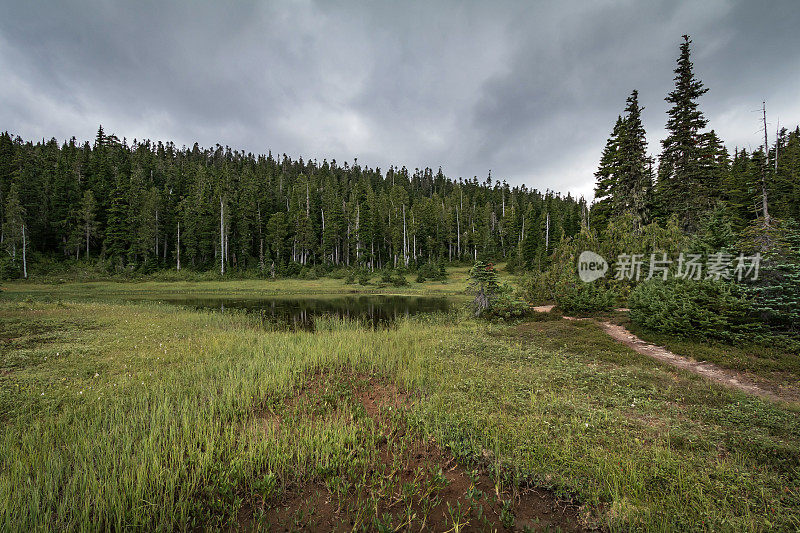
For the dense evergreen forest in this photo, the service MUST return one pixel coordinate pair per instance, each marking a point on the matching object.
(143, 206)
(153, 205)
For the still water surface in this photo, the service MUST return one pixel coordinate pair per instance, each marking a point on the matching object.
(299, 313)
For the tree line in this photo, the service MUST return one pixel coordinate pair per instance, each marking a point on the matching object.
(150, 205)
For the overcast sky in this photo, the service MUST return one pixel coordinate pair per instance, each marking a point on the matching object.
(528, 90)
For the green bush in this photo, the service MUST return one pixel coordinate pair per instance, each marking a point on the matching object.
(338, 273)
(512, 265)
(293, 269)
(364, 277)
(430, 271)
(9, 270)
(536, 287)
(776, 292)
(507, 307)
(579, 297)
(309, 273)
(707, 309)
(399, 280)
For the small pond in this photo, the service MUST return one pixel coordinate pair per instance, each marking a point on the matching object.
(299, 313)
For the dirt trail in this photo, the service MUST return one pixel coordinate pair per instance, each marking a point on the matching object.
(730, 378)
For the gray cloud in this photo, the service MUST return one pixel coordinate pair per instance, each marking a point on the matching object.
(528, 90)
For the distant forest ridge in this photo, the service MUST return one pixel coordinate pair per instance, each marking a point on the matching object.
(155, 204)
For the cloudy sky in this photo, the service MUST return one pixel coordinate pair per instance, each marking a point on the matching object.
(528, 90)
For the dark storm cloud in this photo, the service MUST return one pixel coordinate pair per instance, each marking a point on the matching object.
(528, 90)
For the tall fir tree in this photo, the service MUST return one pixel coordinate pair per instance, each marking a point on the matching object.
(631, 192)
(682, 179)
(624, 179)
(606, 179)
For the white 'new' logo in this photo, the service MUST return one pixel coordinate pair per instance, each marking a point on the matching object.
(591, 266)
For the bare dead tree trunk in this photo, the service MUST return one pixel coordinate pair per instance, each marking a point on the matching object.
(221, 237)
(764, 204)
(24, 257)
(156, 234)
(481, 302)
(405, 240)
(358, 233)
(547, 233)
(458, 235)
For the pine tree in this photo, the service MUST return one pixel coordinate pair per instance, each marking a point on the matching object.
(682, 186)
(738, 189)
(483, 282)
(634, 180)
(117, 237)
(606, 179)
(146, 236)
(13, 222)
(277, 231)
(87, 214)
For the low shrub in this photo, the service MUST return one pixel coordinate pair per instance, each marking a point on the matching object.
(399, 280)
(9, 269)
(293, 269)
(707, 309)
(536, 287)
(309, 273)
(579, 297)
(507, 307)
(430, 271)
(338, 273)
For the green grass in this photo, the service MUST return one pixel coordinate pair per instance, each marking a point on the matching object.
(54, 289)
(146, 416)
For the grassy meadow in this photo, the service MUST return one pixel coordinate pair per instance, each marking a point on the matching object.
(180, 284)
(142, 415)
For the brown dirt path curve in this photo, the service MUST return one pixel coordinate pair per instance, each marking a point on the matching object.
(727, 377)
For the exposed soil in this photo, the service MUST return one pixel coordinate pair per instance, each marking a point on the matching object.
(412, 484)
(730, 378)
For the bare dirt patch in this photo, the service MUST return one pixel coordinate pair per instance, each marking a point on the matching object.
(408, 482)
(730, 378)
